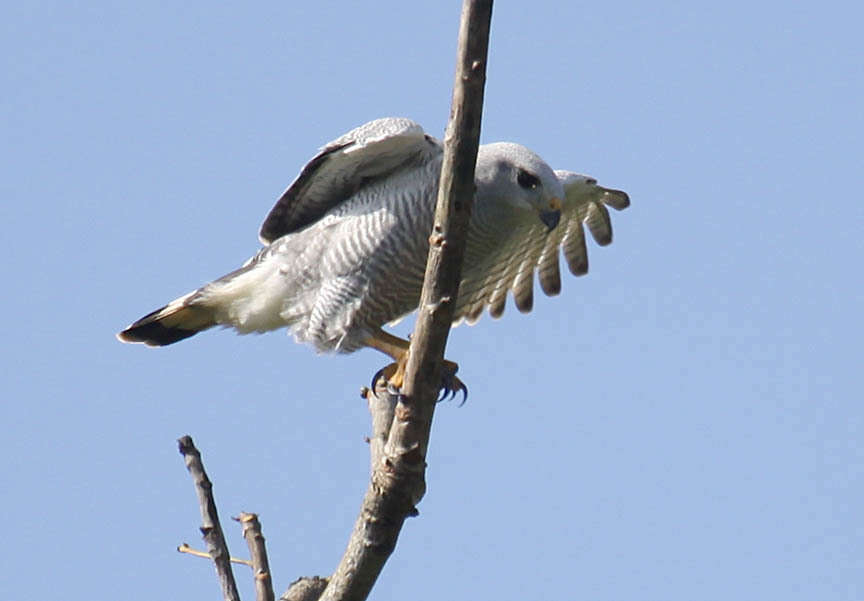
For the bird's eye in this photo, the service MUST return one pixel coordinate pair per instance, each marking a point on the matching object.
(529, 181)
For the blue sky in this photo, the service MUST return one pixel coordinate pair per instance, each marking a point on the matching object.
(683, 423)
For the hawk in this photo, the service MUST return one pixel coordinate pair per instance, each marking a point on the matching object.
(345, 246)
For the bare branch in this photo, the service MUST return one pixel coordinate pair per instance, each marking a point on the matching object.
(210, 526)
(258, 552)
(447, 242)
(397, 482)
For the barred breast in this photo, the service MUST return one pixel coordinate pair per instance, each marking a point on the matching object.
(373, 257)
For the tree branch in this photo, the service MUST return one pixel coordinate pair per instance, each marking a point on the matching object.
(258, 553)
(210, 526)
(397, 481)
(455, 200)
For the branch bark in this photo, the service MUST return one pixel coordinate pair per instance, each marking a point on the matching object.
(397, 481)
(211, 529)
(258, 553)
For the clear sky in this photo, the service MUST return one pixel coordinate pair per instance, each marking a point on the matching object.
(686, 422)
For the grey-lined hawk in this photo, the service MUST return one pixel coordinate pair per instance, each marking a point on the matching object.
(346, 244)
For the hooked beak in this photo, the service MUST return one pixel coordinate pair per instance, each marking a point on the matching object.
(552, 216)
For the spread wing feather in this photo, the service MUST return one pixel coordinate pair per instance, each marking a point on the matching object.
(528, 247)
(599, 223)
(575, 250)
(365, 154)
(548, 270)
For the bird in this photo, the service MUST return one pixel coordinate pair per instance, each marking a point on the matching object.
(345, 246)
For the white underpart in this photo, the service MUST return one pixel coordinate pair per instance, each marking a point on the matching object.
(251, 301)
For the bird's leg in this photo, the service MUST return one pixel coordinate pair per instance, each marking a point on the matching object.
(397, 349)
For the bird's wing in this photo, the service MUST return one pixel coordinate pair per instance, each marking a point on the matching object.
(365, 154)
(529, 248)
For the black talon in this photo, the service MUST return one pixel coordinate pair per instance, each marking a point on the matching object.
(448, 391)
(376, 377)
(464, 394)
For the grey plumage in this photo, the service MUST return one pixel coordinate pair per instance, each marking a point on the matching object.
(346, 244)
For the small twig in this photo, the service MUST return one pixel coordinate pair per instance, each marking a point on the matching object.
(185, 548)
(210, 526)
(258, 552)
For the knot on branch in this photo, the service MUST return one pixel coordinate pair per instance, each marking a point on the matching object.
(305, 589)
(437, 306)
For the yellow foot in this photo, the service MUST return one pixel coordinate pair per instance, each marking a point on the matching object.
(394, 374)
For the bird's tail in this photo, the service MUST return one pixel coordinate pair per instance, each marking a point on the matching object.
(175, 321)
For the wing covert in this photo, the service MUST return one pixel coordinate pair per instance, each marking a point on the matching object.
(370, 152)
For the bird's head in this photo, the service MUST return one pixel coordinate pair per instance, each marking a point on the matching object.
(511, 174)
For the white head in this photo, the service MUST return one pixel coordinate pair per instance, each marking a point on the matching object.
(513, 174)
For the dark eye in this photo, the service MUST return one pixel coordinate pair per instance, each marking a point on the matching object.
(529, 181)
